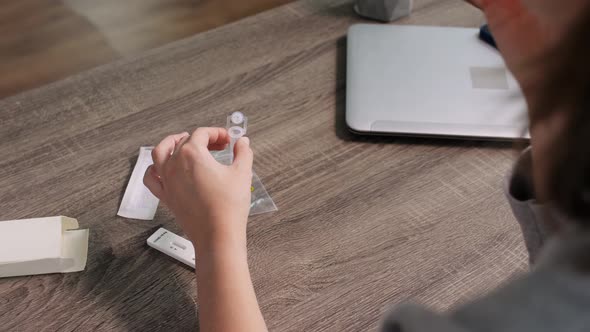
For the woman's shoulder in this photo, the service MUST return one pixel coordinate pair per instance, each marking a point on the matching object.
(554, 296)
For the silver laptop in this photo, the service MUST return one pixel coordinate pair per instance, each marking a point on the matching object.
(430, 81)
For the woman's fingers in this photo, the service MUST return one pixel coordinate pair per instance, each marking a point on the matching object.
(162, 152)
(476, 3)
(152, 182)
(502, 11)
(243, 156)
(210, 138)
(180, 143)
(218, 147)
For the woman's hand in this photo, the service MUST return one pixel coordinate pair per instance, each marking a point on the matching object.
(210, 201)
(523, 37)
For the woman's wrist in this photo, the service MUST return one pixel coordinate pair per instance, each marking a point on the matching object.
(216, 251)
(226, 236)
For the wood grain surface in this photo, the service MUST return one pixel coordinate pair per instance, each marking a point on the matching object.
(42, 41)
(363, 222)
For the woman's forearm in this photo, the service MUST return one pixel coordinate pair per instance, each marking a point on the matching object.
(211, 202)
(227, 301)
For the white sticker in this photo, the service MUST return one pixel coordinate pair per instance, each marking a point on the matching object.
(138, 202)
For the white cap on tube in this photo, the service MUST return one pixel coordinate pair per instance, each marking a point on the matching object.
(236, 127)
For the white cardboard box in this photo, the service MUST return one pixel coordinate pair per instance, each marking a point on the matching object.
(42, 245)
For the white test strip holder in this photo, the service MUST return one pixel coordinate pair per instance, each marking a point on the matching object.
(173, 245)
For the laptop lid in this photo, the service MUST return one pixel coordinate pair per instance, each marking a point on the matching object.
(430, 81)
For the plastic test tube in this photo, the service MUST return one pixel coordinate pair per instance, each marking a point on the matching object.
(236, 128)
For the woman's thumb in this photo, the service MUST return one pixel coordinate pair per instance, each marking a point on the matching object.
(243, 155)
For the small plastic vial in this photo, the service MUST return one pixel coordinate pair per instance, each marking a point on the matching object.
(237, 125)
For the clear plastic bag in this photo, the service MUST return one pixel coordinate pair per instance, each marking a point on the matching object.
(261, 201)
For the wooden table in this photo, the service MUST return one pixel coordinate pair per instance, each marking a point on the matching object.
(363, 223)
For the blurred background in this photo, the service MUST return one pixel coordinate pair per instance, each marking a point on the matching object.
(42, 41)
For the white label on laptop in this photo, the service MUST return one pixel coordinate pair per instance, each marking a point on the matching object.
(138, 202)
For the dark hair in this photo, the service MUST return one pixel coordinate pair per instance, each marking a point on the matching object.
(567, 89)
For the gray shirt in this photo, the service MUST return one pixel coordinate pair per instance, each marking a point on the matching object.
(554, 296)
